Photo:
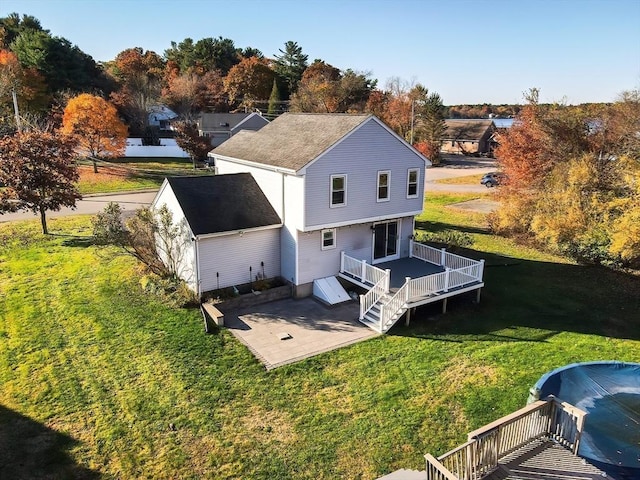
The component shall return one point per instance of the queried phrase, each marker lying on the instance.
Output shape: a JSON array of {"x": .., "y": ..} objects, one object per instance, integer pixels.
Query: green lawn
[
  {"x": 93, "y": 371},
  {"x": 126, "y": 174}
]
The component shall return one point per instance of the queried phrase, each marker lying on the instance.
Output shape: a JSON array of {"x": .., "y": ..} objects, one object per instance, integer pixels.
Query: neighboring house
[
  {"x": 468, "y": 136},
  {"x": 230, "y": 231},
  {"x": 222, "y": 126},
  {"x": 160, "y": 116}
]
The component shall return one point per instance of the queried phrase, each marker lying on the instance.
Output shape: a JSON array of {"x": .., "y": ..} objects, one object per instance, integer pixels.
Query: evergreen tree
[
  {"x": 290, "y": 65},
  {"x": 274, "y": 101}
]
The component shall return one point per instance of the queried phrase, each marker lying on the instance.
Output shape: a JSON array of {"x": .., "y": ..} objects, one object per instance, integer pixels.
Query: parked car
[{"x": 493, "y": 179}]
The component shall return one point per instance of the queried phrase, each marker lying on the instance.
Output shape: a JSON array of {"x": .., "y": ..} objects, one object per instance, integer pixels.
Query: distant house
[
  {"x": 160, "y": 116},
  {"x": 222, "y": 126},
  {"x": 468, "y": 137}
]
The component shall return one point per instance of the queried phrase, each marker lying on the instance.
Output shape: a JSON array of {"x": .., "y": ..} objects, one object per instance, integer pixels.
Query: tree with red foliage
[
  {"x": 188, "y": 138},
  {"x": 38, "y": 172}
]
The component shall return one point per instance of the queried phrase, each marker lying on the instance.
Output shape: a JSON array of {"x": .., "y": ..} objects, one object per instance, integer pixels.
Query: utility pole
[{"x": 15, "y": 108}]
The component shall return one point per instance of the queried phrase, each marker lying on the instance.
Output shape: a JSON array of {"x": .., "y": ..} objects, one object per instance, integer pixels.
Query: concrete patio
[{"x": 287, "y": 331}]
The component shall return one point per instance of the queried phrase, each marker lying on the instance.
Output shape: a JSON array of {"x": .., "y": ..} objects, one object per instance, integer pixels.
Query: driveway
[{"x": 91, "y": 204}]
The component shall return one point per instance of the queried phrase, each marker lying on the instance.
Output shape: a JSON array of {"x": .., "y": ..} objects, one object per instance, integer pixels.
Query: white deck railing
[
  {"x": 486, "y": 446},
  {"x": 439, "y": 256},
  {"x": 362, "y": 271},
  {"x": 397, "y": 303},
  {"x": 367, "y": 274},
  {"x": 459, "y": 271}
]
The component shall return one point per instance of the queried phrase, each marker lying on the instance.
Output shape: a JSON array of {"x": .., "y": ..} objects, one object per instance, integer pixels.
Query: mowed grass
[
  {"x": 128, "y": 174},
  {"x": 465, "y": 180},
  {"x": 99, "y": 377}
]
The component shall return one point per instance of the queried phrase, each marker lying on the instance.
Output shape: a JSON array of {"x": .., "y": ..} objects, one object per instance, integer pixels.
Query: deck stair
[{"x": 381, "y": 307}]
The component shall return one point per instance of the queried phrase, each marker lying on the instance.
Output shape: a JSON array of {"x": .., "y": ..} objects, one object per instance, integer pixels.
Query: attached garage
[{"x": 232, "y": 233}]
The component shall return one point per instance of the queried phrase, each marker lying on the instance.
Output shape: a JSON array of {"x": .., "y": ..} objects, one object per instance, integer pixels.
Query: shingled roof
[
  {"x": 292, "y": 140},
  {"x": 466, "y": 130},
  {"x": 223, "y": 203}
]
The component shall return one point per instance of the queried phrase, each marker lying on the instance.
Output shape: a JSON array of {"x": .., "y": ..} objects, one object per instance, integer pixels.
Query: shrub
[{"x": 450, "y": 238}]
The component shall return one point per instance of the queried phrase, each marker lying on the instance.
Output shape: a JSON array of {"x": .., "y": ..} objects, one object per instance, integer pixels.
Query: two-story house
[
  {"x": 219, "y": 127},
  {"x": 338, "y": 194}
]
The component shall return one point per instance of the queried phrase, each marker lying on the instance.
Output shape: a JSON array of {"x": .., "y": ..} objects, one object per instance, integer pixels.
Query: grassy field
[
  {"x": 99, "y": 379},
  {"x": 125, "y": 174}
]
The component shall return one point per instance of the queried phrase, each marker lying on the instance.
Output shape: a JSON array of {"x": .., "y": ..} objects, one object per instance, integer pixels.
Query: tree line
[
  {"x": 191, "y": 77},
  {"x": 574, "y": 179}
]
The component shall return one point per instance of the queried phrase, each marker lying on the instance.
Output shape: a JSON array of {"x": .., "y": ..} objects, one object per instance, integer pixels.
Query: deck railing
[
  {"x": 486, "y": 446},
  {"x": 373, "y": 296},
  {"x": 361, "y": 270},
  {"x": 394, "y": 305},
  {"x": 439, "y": 256}
]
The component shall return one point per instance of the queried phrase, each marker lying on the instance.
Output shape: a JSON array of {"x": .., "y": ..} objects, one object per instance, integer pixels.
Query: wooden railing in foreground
[{"x": 480, "y": 455}]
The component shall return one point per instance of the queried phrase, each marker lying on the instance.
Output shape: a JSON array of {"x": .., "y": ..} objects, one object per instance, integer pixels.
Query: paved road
[
  {"x": 453, "y": 166},
  {"x": 457, "y": 166},
  {"x": 91, "y": 205}
]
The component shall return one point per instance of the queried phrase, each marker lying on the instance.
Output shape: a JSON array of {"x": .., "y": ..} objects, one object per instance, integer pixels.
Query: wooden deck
[{"x": 543, "y": 460}]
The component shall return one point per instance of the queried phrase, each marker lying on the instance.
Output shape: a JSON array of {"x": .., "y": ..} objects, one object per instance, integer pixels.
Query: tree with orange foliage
[
  {"x": 95, "y": 124},
  {"x": 194, "y": 92},
  {"x": 38, "y": 172},
  {"x": 139, "y": 74},
  {"x": 27, "y": 84},
  {"x": 248, "y": 81}
]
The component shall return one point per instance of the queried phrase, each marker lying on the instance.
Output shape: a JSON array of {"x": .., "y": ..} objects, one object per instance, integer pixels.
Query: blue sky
[{"x": 468, "y": 51}]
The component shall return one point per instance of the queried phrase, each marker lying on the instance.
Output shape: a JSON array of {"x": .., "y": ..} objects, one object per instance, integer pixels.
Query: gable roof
[
  {"x": 472, "y": 130},
  {"x": 221, "y": 121},
  {"x": 292, "y": 140},
  {"x": 223, "y": 203}
]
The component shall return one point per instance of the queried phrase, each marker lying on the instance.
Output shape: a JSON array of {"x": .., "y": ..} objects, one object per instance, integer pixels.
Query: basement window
[{"x": 328, "y": 239}]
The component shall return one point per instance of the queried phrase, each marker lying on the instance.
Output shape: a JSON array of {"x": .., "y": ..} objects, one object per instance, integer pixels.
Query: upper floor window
[
  {"x": 384, "y": 180},
  {"x": 412, "y": 183},
  {"x": 338, "y": 190}
]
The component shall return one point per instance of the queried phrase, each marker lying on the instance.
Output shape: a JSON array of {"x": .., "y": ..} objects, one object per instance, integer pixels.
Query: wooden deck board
[{"x": 544, "y": 460}]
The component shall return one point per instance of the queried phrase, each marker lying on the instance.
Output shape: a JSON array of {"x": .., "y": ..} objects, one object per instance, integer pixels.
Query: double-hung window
[
  {"x": 338, "y": 190},
  {"x": 384, "y": 185},
  {"x": 328, "y": 238},
  {"x": 412, "y": 182}
]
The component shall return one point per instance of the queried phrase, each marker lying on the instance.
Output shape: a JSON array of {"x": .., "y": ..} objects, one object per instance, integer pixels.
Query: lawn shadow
[
  {"x": 31, "y": 450},
  {"x": 525, "y": 300},
  {"x": 429, "y": 226},
  {"x": 81, "y": 241}
]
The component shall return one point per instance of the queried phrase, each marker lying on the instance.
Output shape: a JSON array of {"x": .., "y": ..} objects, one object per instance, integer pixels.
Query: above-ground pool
[{"x": 610, "y": 394}]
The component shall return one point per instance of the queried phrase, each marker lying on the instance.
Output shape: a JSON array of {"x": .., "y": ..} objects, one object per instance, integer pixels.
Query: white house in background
[
  {"x": 326, "y": 195},
  {"x": 219, "y": 127},
  {"x": 160, "y": 116}
]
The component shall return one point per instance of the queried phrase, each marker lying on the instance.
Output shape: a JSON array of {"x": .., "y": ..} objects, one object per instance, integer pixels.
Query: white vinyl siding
[
  {"x": 185, "y": 248},
  {"x": 359, "y": 157},
  {"x": 237, "y": 259},
  {"x": 328, "y": 238},
  {"x": 338, "y": 197},
  {"x": 413, "y": 180},
  {"x": 384, "y": 185},
  {"x": 313, "y": 262}
]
